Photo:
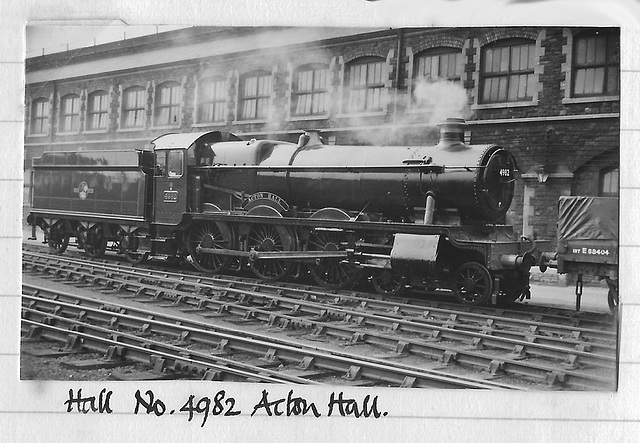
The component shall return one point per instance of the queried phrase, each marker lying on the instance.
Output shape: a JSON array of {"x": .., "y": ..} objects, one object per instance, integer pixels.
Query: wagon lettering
[{"x": 591, "y": 251}]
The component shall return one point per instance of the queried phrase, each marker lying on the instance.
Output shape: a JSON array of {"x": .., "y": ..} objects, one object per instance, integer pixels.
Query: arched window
[
  {"x": 432, "y": 66},
  {"x": 255, "y": 95},
  {"x": 610, "y": 182},
  {"x": 439, "y": 63},
  {"x": 309, "y": 95},
  {"x": 70, "y": 113},
  {"x": 212, "y": 100},
  {"x": 365, "y": 85},
  {"x": 596, "y": 63},
  {"x": 507, "y": 71},
  {"x": 97, "y": 110},
  {"x": 40, "y": 116},
  {"x": 168, "y": 97},
  {"x": 133, "y": 107}
]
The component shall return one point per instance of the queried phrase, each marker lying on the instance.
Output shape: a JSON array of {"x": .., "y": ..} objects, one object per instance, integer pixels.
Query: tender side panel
[
  {"x": 109, "y": 193},
  {"x": 109, "y": 184}
]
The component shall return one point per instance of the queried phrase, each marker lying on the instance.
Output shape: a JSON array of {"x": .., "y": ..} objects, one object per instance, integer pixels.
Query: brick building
[{"x": 550, "y": 94}]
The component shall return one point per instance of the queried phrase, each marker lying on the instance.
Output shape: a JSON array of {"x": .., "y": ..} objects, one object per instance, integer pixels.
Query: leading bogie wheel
[
  {"x": 270, "y": 238},
  {"x": 472, "y": 284},
  {"x": 387, "y": 282},
  {"x": 210, "y": 235}
]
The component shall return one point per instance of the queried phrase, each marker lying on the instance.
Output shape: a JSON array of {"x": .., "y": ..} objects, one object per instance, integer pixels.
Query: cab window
[
  {"x": 174, "y": 163},
  {"x": 161, "y": 164}
]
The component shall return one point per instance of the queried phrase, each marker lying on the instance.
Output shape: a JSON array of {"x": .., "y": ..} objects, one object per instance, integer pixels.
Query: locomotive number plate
[{"x": 170, "y": 196}]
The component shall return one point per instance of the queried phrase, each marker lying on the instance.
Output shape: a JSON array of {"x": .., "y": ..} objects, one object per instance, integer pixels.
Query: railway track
[
  {"x": 100, "y": 326},
  {"x": 494, "y": 343}
]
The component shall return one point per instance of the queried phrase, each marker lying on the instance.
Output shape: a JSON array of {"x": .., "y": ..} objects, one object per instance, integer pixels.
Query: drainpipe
[{"x": 398, "y": 79}]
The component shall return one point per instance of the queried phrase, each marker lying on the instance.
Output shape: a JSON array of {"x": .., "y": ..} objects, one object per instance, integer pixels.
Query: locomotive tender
[{"x": 428, "y": 216}]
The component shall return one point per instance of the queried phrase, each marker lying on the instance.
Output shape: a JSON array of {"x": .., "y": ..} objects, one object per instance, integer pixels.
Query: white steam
[{"x": 441, "y": 99}]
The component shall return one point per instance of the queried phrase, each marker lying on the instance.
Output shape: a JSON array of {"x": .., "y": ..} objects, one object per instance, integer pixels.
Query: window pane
[
  {"x": 598, "y": 81},
  {"x": 588, "y": 81},
  {"x": 488, "y": 60},
  {"x": 513, "y": 88},
  {"x": 486, "y": 90},
  {"x": 591, "y": 50},
  {"x": 504, "y": 59},
  {"x": 319, "y": 103},
  {"x": 515, "y": 58},
  {"x": 502, "y": 88},
  {"x": 262, "y": 108},
  {"x": 612, "y": 80},
  {"x": 581, "y": 51},
  {"x": 175, "y": 164},
  {"x": 579, "y": 81},
  {"x": 600, "y": 50}
]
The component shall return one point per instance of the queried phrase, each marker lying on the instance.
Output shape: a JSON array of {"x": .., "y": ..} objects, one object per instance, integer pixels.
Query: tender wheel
[
  {"x": 331, "y": 273},
  {"x": 210, "y": 235},
  {"x": 57, "y": 239},
  {"x": 472, "y": 284},
  {"x": 387, "y": 282},
  {"x": 96, "y": 243},
  {"x": 270, "y": 238}
]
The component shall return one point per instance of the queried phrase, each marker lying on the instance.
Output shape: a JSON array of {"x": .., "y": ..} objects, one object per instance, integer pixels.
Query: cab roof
[{"x": 186, "y": 140}]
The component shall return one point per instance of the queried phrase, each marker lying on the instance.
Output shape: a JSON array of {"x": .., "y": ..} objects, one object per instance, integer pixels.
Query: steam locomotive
[{"x": 428, "y": 216}]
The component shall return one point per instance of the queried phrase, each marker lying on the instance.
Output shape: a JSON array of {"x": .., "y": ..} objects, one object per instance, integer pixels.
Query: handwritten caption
[{"x": 222, "y": 404}]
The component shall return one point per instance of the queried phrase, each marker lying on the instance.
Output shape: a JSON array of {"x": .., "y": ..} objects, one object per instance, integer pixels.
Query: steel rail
[
  {"x": 520, "y": 345},
  {"x": 130, "y": 347},
  {"x": 511, "y": 363},
  {"x": 253, "y": 343},
  {"x": 494, "y": 320}
]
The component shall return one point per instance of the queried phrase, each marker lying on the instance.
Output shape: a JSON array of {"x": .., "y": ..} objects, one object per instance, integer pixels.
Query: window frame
[
  {"x": 214, "y": 100},
  {"x": 603, "y": 174},
  {"x": 262, "y": 98},
  {"x": 69, "y": 118},
  {"x": 103, "y": 114},
  {"x": 174, "y": 105},
  {"x": 176, "y": 155},
  {"x": 127, "y": 109},
  {"x": 380, "y": 85},
  {"x": 510, "y": 74},
  {"x": 44, "y": 118},
  {"x": 418, "y": 68},
  {"x": 611, "y": 60},
  {"x": 313, "y": 93},
  {"x": 439, "y": 52}
]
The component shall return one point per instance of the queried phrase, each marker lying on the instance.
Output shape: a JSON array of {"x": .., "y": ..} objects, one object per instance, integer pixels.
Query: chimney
[{"x": 452, "y": 134}]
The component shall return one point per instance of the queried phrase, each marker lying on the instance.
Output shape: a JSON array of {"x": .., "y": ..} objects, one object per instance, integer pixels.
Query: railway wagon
[
  {"x": 587, "y": 242},
  {"x": 427, "y": 216}
]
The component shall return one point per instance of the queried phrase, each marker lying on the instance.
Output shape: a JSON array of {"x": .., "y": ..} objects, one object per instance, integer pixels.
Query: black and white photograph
[{"x": 246, "y": 227}]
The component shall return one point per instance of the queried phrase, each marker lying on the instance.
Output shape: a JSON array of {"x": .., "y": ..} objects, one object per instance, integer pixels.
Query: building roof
[{"x": 172, "y": 47}]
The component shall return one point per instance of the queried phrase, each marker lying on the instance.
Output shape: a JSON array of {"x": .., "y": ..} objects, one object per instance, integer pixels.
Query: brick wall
[{"x": 540, "y": 133}]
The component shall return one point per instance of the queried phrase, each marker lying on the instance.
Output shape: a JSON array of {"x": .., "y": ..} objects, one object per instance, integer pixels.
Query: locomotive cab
[{"x": 173, "y": 154}]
